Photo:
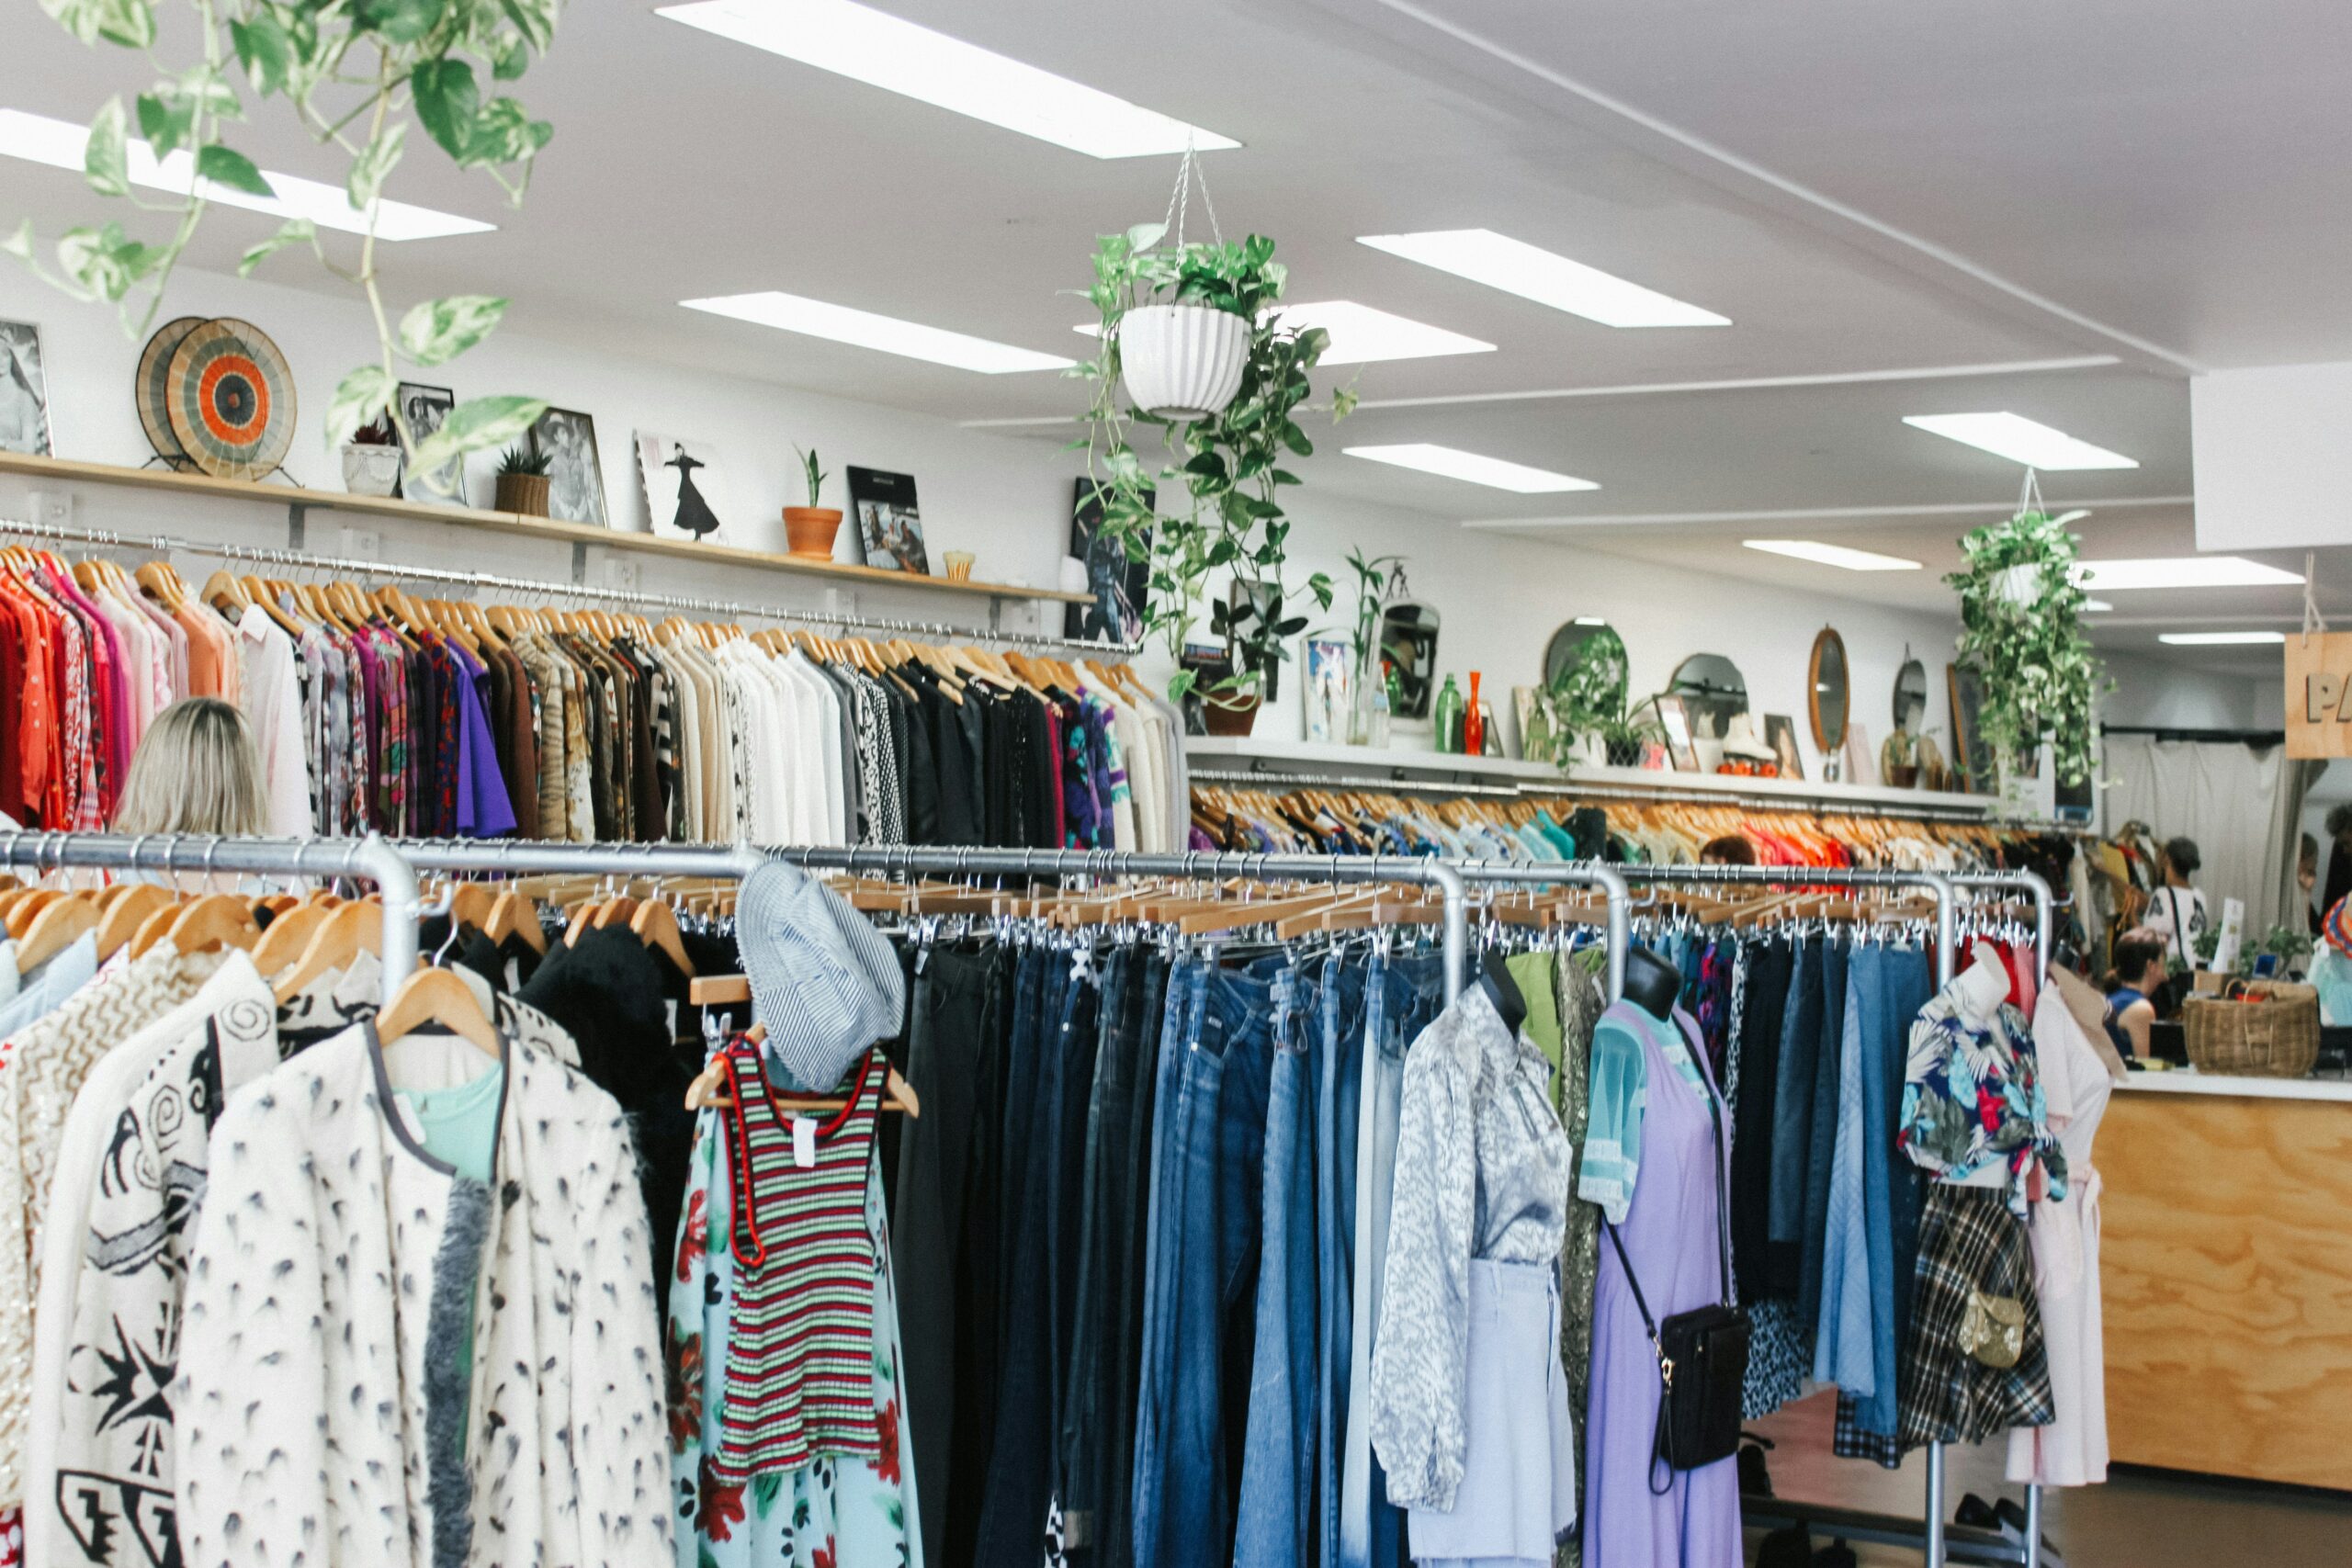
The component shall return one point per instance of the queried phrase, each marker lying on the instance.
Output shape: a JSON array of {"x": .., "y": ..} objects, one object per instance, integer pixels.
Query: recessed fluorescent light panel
[
  {"x": 2182, "y": 571},
  {"x": 2096, "y": 606},
  {"x": 2220, "y": 639},
  {"x": 2021, "y": 440},
  {"x": 896, "y": 55},
  {"x": 793, "y": 313},
  {"x": 60, "y": 145},
  {"x": 1831, "y": 555},
  {"x": 1531, "y": 273},
  {"x": 1454, "y": 464}
]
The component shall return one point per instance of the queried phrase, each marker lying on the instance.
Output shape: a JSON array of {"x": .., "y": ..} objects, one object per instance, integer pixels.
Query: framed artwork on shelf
[
  {"x": 1121, "y": 588},
  {"x": 567, "y": 439},
  {"x": 24, "y": 393},
  {"x": 890, "y": 523},
  {"x": 683, "y": 487},
  {"x": 1330, "y": 668},
  {"x": 1971, "y": 754},
  {"x": 1674, "y": 721},
  {"x": 1780, "y": 735},
  {"x": 426, "y": 407}
]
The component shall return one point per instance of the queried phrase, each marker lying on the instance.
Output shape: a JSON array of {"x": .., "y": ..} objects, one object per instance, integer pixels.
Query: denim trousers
[
  {"x": 1339, "y": 1082},
  {"x": 1401, "y": 996},
  {"x": 1202, "y": 1313},
  {"x": 1275, "y": 1511},
  {"x": 1114, "y": 1535}
]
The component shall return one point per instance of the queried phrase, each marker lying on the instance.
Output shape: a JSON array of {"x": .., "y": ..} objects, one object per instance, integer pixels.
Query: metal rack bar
[
  {"x": 719, "y": 609},
  {"x": 1383, "y": 785},
  {"x": 1587, "y": 874},
  {"x": 370, "y": 858}
]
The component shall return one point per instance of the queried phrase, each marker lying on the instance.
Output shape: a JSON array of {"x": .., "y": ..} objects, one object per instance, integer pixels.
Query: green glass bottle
[{"x": 1445, "y": 718}]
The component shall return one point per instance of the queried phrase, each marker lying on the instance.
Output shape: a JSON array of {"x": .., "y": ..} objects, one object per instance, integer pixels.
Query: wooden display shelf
[{"x": 66, "y": 470}]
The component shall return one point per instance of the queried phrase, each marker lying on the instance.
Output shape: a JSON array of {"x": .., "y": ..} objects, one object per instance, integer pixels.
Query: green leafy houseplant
[
  {"x": 2040, "y": 676},
  {"x": 1229, "y": 461},
  {"x": 1589, "y": 691},
  {"x": 356, "y": 73},
  {"x": 814, "y": 475}
]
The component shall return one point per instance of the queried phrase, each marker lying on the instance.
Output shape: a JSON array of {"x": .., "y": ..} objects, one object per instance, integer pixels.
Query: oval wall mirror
[
  {"x": 1712, "y": 689},
  {"x": 1829, "y": 697},
  {"x": 1408, "y": 646},
  {"x": 1911, "y": 696}
]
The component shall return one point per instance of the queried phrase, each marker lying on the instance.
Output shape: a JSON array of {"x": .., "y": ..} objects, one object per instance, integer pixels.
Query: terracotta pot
[
  {"x": 523, "y": 493},
  {"x": 1231, "y": 715},
  {"x": 810, "y": 530}
]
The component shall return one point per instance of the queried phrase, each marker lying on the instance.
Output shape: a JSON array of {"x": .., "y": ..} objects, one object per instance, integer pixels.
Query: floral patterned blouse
[
  {"x": 1972, "y": 1110},
  {"x": 830, "y": 1513}
]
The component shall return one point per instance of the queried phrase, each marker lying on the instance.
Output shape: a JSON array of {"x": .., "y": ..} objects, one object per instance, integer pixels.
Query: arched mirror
[
  {"x": 1830, "y": 697},
  {"x": 1911, "y": 697},
  {"x": 1712, "y": 689},
  {"x": 1408, "y": 647},
  {"x": 1568, "y": 644}
]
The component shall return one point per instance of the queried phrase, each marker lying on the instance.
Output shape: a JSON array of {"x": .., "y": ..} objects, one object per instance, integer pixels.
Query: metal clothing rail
[
  {"x": 528, "y": 587},
  {"x": 1586, "y": 874},
  {"x": 1445, "y": 878},
  {"x": 370, "y": 858}
]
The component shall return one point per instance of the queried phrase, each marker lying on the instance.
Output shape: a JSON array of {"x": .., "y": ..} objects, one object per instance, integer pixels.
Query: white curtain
[{"x": 2227, "y": 797}]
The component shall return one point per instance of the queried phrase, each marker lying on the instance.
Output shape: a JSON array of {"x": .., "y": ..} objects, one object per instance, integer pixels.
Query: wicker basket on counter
[{"x": 2262, "y": 1029}]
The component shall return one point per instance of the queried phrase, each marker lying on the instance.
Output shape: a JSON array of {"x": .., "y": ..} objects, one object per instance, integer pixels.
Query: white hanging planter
[
  {"x": 2018, "y": 585},
  {"x": 1183, "y": 361}
]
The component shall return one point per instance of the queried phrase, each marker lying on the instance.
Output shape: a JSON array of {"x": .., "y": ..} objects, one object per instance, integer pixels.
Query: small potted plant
[
  {"x": 1898, "y": 759},
  {"x": 810, "y": 529},
  {"x": 372, "y": 459},
  {"x": 523, "y": 482}
]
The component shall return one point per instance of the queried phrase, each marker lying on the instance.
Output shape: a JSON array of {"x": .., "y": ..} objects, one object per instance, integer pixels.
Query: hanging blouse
[{"x": 1972, "y": 1110}]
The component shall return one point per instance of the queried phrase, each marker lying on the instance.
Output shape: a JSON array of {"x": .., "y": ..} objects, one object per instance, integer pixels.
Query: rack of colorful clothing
[
  {"x": 1953, "y": 918},
  {"x": 379, "y": 711}
]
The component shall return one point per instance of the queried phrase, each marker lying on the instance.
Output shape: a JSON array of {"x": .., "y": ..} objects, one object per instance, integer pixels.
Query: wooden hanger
[
  {"x": 56, "y": 927},
  {"x": 658, "y": 925},
  {"x": 514, "y": 915},
  {"x": 214, "y": 920},
  {"x": 437, "y": 996},
  {"x": 21, "y": 910},
  {"x": 289, "y": 934},
  {"x": 128, "y": 907},
  {"x": 347, "y": 933}
]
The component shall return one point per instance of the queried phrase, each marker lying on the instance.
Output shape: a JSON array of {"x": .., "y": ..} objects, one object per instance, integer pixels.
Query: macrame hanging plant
[{"x": 2020, "y": 616}]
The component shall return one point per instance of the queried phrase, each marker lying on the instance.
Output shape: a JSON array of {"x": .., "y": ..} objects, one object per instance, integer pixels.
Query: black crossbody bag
[{"x": 1701, "y": 1355}]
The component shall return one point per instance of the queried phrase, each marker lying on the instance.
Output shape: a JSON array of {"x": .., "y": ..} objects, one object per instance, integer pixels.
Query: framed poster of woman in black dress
[{"x": 683, "y": 488}]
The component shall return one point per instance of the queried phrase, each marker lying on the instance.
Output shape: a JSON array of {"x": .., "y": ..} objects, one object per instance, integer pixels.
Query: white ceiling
[{"x": 1939, "y": 206}]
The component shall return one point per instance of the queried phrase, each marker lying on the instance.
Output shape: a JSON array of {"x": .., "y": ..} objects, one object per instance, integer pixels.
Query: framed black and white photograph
[
  {"x": 426, "y": 407},
  {"x": 684, "y": 489},
  {"x": 889, "y": 523},
  {"x": 575, "y": 476},
  {"x": 1121, "y": 586},
  {"x": 24, "y": 393}
]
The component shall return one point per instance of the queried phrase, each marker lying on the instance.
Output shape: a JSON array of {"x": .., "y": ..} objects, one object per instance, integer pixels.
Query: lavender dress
[{"x": 1669, "y": 1233}]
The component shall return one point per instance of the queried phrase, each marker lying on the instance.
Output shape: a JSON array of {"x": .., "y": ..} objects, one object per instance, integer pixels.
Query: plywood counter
[{"x": 2226, "y": 1264}]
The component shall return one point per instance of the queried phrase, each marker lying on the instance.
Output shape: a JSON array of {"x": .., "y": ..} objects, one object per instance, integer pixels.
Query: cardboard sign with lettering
[{"x": 2318, "y": 695}]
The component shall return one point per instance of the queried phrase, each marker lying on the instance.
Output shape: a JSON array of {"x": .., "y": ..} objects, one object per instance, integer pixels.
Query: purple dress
[{"x": 1671, "y": 1236}]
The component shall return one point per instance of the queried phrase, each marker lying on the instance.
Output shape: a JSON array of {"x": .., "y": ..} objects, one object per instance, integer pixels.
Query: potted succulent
[
  {"x": 372, "y": 459},
  {"x": 810, "y": 530},
  {"x": 2020, "y": 615},
  {"x": 522, "y": 482},
  {"x": 1227, "y": 450}
]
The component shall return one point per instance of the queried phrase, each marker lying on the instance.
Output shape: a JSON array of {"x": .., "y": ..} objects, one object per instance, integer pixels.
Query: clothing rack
[
  {"x": 1936, "y": 1538},
  {"x": 371, "y": 859},
  {"x": 528, "y": 587},
  {"x": 1619, "y": 924}
]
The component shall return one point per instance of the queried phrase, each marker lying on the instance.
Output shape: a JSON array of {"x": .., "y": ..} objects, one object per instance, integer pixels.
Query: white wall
[{"x": 1005, "y": 499}]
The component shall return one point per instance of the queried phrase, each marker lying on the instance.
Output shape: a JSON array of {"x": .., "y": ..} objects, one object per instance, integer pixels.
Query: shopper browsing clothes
[{"x": 2177, "y": 909}]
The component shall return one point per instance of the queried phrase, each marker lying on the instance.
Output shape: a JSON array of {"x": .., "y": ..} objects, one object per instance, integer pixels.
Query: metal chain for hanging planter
[{"x": 1180, "y": 361}]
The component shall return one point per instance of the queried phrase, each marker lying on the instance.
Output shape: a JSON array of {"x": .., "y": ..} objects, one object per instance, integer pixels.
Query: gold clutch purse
[{"x": 1992, "y": 1329}]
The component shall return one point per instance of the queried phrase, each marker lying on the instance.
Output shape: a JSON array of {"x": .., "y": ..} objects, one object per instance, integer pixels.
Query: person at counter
[
  {"x": 2176, "y": 910},
  {"x": 2332, "y": 964},
  {"x": 2131, "y": 994}
]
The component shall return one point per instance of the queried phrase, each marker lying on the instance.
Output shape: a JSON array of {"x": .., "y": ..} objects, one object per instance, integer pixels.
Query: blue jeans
[
  {"x": 1200, "y": 1319},
  {"x": 1401, "y": 996},
  {"x": 1339, "y": 1081},
  {"x": 1274, "y": 1512}
]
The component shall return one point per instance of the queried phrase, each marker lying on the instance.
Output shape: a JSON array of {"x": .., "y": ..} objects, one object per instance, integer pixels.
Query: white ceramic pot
[
  {"x": 371, "y": 471},
  {"x": 1183, "y": 361},
  {"x": 2018, "y": 585}
]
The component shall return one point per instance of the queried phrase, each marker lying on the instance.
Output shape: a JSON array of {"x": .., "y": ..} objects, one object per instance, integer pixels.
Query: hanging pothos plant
[
  {"x": 1229, "y": 460},
  {"x": 2020, "y": 617},
  {"x": 355, "y": 73}
]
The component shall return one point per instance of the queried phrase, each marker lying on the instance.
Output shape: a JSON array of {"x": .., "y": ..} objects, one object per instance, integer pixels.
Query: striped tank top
[{"x": 800, "y": 1339}]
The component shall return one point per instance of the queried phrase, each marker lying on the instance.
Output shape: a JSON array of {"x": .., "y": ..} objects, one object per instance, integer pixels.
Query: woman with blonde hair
[{"x": 197, "y": 771}]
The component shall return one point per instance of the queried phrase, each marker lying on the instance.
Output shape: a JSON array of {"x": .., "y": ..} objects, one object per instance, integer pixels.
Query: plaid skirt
[{"x": 1969, "y": 1241}]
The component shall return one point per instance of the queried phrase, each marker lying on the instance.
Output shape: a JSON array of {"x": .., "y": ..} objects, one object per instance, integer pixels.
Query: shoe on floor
[
  {"x": 1789, "y": 1548},
  {"x": 1977, "y": 1513}
]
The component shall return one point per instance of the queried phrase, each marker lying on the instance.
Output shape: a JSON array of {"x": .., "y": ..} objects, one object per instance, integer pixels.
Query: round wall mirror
[
  {"x": 1830, "y": 699},
  {"x": 1712, "y": 689},
  {"x": 1567, "y": 644},
  {"x": 1408, "y": 647},
  {"x": 1911, "y": 697}
]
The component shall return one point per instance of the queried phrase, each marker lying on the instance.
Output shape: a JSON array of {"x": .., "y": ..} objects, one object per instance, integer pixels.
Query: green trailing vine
[
  {"x": 2040, "y": 677},
  {"x": 357, "y": 74},
  {"x": 1228, "y": 462}
]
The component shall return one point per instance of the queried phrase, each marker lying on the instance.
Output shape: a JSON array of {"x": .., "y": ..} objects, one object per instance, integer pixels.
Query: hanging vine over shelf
[{"x": 1227, "y": 457}]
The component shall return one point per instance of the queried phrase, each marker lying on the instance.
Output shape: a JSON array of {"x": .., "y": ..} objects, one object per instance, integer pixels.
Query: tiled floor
[{"x": 2139, "y": 1519}]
